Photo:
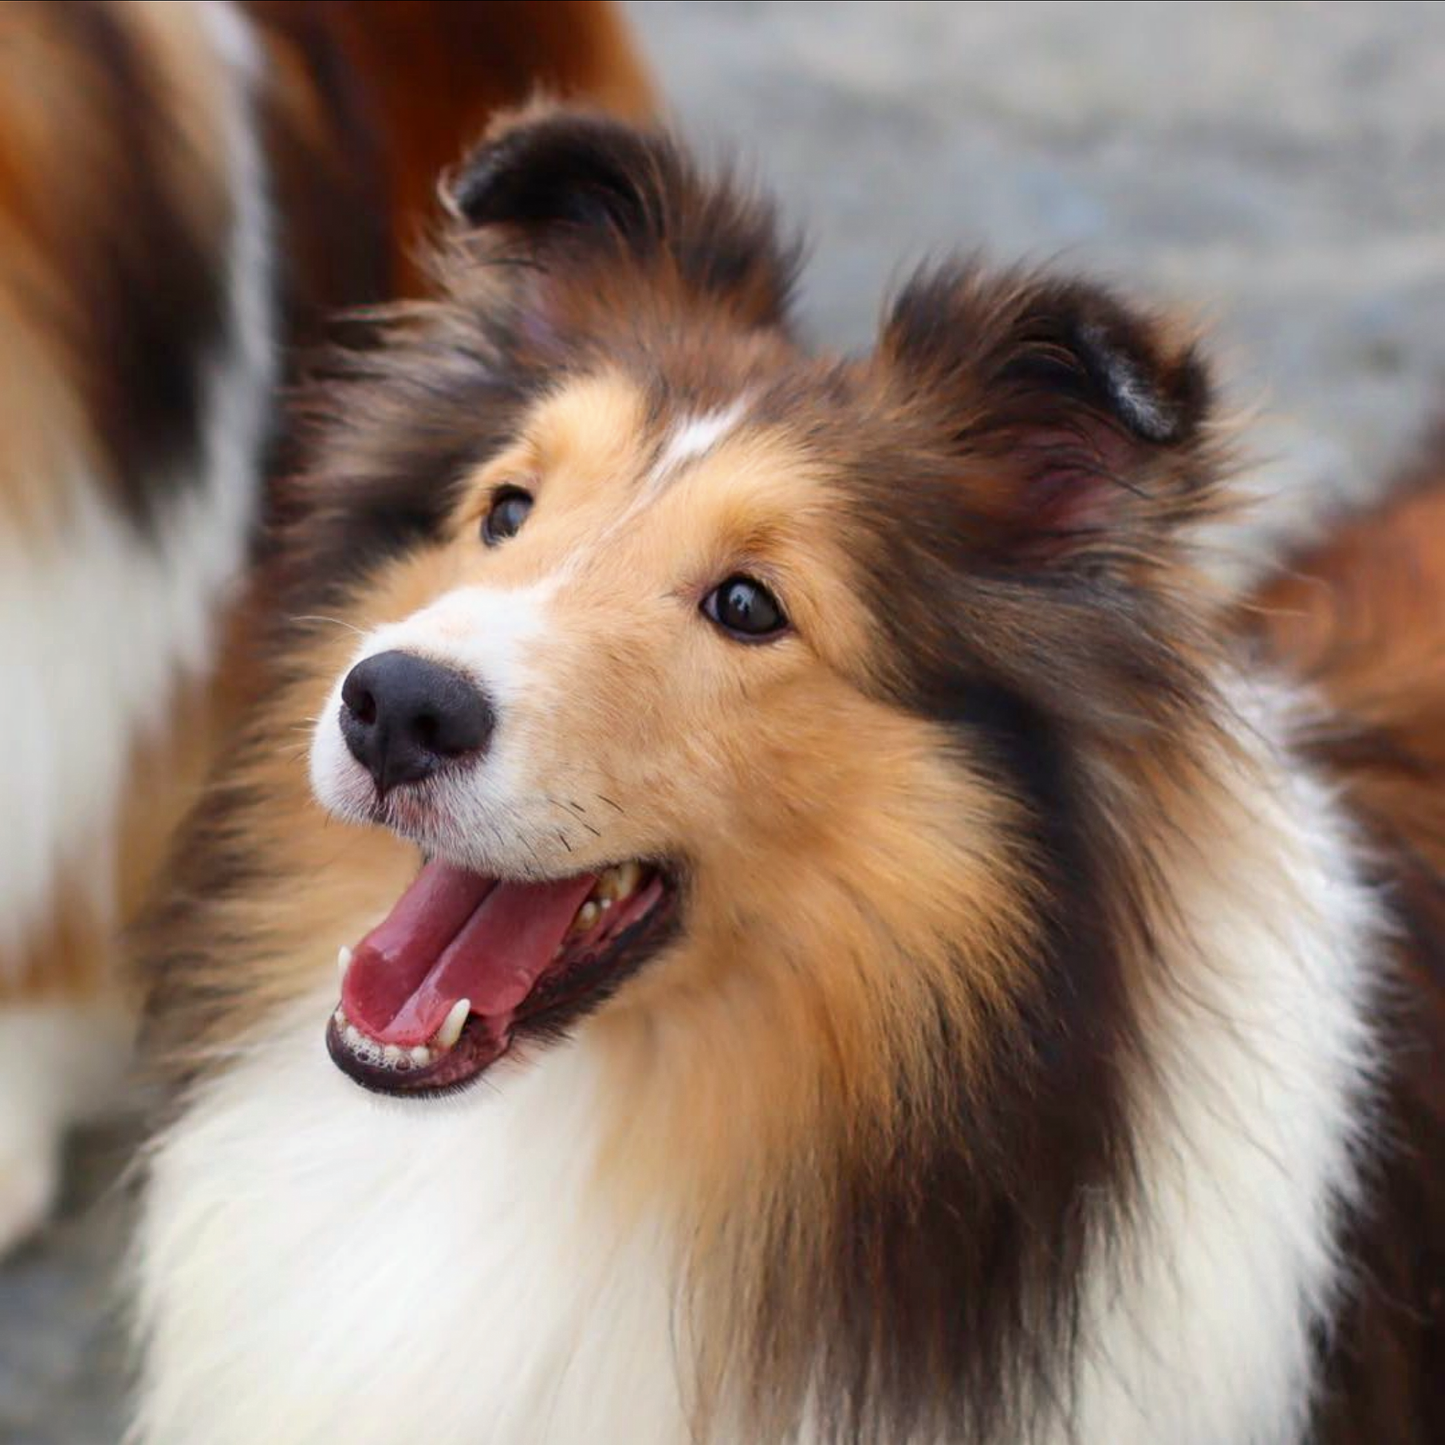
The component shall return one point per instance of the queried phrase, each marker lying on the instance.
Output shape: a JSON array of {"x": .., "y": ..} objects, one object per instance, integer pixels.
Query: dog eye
[
  {"x": 745, "y": 609},
  {"x": 508, "y": 511}
]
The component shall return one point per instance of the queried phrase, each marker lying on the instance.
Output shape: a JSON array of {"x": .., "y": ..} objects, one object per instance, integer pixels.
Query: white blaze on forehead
[{"x": 694, "y": 437}]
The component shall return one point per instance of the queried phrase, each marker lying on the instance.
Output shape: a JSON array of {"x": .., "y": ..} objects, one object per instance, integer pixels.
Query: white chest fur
[{"x": 317, "y": 1264}]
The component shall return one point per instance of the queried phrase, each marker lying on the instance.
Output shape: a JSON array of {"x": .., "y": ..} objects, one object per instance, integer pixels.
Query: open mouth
[{"x": 436, "y": 992}]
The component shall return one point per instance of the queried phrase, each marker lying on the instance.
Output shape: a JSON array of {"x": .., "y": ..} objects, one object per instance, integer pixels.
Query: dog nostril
[
  {"x": 363, "y": 708},
  {"x": 426, "y": 729}
]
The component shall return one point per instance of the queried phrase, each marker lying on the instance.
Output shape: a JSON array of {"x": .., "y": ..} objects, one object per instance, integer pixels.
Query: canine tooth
[
  {"x": 451, "y": 1029},
  {"x": 586, "y": 917},
  {"x": 343, "y": 960},
  {"x": 392, "y": 1053},
  {"x": 421, "y": 1055},
  {"x": 629, "y": 875}
]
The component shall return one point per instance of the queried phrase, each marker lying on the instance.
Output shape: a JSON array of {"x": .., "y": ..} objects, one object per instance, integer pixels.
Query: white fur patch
[
  {"x": 692, "y": 438},
  {"x": 98, "y": 624},
  {"x": 316, "y": 1262}
]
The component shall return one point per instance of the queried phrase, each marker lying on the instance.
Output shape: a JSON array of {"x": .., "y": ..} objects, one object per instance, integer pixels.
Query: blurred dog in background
[{"x": 186, "y": 191}]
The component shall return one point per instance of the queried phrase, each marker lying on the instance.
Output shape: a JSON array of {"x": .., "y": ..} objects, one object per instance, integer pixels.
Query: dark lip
[{"x": 557, "y": 1002}]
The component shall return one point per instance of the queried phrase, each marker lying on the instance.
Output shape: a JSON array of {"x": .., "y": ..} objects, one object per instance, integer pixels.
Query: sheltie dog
[
  {"x": 844, "y": 932},
  {"x": 185, "y": 190}
]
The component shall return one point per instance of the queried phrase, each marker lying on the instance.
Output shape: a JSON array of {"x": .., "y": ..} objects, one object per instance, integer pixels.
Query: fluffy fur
[
  {"x": 185, "y": 189},
  {"x": 1019, "y": 1066},
  {"x": 127, "y": 492}
]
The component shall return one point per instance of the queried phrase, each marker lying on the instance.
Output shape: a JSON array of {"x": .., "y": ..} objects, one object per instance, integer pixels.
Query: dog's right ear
[{"x": 576, "y": 194}]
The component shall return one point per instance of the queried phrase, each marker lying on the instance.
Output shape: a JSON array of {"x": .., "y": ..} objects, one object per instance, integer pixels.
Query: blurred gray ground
[{"x": 1276, "y": 169}]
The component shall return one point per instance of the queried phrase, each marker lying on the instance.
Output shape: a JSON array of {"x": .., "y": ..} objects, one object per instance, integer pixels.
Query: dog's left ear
[
  {"x": 581, "y": 198},
  {"x": 1077, "y": 425}
]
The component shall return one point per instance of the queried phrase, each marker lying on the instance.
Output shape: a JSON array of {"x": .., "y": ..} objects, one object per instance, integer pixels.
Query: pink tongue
[{"x": 455, "y": 935}]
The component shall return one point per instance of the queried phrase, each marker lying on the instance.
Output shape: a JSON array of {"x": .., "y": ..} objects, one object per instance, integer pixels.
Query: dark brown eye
[
  {"x": 509, "y": 510},
  {"x": 745, "y": 609}
]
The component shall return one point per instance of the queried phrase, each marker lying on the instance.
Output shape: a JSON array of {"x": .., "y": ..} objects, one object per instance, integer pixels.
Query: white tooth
[
  {"x": 353, "y": 1036},
  {"x": 629, "y": 875},
  {"x": 421, "y": 1055},
  {"x": 604, "y": 904},
  {"x": 343, "y": 960},
  {"x": 392, "y": 1054},
  {"x": 451, "y": 1029},
  {"x": 586, "y": 917}
]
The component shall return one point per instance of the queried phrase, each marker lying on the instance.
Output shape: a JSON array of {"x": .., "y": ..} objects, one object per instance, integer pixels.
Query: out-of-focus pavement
[{"x": 1278, "y": 170}]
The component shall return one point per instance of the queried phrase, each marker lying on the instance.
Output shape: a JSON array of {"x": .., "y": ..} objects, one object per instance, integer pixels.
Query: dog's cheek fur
[{"x": 822, "y": 982}]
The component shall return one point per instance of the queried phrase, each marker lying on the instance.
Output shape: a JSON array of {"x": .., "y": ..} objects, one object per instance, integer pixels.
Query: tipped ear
[
  {"x": 563, "y": 172},
  {"x": 580, "y": 193},
  {"x": 1078, "y": 423}
]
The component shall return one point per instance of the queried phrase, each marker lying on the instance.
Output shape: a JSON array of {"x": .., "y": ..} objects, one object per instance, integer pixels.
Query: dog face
[
  {"x": 659, "y": 610},
  {"x": 648, "y": 594}
]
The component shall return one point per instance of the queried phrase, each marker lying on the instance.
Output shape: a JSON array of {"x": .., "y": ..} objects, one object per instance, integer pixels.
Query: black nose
[{"x": 403, "y": 717}]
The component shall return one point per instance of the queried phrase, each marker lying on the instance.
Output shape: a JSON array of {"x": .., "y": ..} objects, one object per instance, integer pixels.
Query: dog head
[{"x": 681, "y": 647}]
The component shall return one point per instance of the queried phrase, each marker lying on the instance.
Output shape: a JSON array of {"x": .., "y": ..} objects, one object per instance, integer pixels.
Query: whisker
[
  {"x": 332, "y": 621},
  {"x": 576, "y": 808}
]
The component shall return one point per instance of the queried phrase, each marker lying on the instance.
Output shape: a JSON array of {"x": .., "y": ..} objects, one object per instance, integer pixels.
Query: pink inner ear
[
  {"x": 536, "y": 325},
  {"x": 1073, "y": 483}
]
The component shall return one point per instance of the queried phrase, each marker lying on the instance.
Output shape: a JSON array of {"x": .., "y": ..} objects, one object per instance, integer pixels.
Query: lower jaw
[{"x": 479, "y": 1046}]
